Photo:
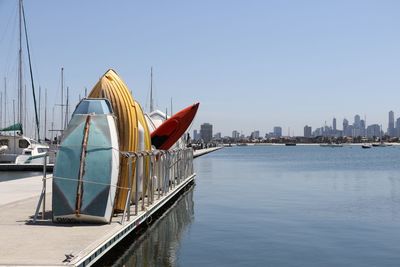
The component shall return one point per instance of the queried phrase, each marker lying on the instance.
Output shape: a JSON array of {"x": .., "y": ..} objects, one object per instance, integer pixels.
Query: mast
[
  {"x": 1, "y": 110},
  {"x": 151, "y": 91},
  {"x": 171, "y": 107},
  {"x": 30, "y": 72},
  {"x": 40, "y": 98},
  {"x": 20, "y": 97},
  {"x": 66, "y": 109},
  {"x": 62, "y": 98},
  {"x": 5, "y": 101},
  {"x": 45, "y": 114}
]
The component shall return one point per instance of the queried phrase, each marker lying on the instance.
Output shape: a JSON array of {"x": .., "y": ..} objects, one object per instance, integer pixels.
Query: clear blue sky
[{"x": 251, "y": 64}]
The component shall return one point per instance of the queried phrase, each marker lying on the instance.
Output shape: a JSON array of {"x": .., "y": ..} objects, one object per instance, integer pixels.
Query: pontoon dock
[{"x": 46, "y": 243}]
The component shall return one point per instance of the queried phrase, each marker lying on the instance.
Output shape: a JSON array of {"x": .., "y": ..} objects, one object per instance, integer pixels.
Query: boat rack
[{"x": 167, "y": 170}]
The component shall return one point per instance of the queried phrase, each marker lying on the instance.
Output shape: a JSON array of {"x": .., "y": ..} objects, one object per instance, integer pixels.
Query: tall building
[
  {"x": 357, "y": 121},
  {"x": 255, "y": 135},
  {"x": 391, "y": 124},
  {"x": 278, "y": 131},
  {"x": 206, "y": 132},
  {"x": 334, "y": 124},
  {"x": 373, "y": 131},
  {"x": 195, "y": 135},
  {"x": 307, "y": 131},
  {"x": 398, "y": 127},
  {"x": 345, "y": 127},
  {"x": 235, "y": 135}
]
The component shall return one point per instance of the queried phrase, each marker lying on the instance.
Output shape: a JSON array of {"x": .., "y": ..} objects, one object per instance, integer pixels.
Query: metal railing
[
  {"x": 155, "y": 173},
  {"x": 161, "y": 171}
]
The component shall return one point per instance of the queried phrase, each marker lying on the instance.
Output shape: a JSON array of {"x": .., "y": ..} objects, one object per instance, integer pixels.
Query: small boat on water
[
  {"x": 87, "y": 165},
  {"x": 366, "y": 146},
  {"x": 381, "y": 144},
  {"x": 290, "y": 144}
]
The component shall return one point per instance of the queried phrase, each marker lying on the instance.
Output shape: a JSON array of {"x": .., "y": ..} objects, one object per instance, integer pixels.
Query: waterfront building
[
  {"x": 277, "y": 131},
  {"x": 345, "y": 126},
  {"x": 334, "y": 124},
  {"x": 206, "y": 132},
  {"x": 218, "y": 135},
  {"x": 235, "y": 135},
  {"x": 398, "y": 127},
  {"x": 195, "y": 135},
  {"x": 307, "y": 131},
  {"x": 255, "y": 135},
  {"x": 357, "y": 121},
  {"x": 373, "y": 131},
  {"x": 390, "y": 130}
]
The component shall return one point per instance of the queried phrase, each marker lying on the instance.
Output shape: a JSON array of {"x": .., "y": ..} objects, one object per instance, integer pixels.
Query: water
[{"x": 282, "y": 206}]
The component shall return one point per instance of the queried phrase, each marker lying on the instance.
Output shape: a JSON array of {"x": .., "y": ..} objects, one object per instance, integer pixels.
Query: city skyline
[{"x": 337, "y": 125}]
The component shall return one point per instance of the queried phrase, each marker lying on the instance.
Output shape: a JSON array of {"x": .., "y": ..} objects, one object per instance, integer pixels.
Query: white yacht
[{"x": 19, "y": 149}]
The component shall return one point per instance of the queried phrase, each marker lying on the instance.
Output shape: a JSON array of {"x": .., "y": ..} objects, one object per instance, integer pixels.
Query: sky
[{"x": 252, "y": 65}]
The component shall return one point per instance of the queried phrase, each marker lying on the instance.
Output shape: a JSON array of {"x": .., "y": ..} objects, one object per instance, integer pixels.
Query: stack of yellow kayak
[{"x": 131, "y": 125}]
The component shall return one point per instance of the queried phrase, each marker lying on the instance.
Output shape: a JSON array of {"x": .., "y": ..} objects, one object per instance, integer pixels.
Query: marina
[{"x": 25, "y": 242}]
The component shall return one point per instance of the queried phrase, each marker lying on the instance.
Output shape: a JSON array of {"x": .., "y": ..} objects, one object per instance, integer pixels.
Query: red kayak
[{"x": 165, "y": 136}]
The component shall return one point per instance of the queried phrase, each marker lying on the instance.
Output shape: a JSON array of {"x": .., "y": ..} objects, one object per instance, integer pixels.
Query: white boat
[
  {"x": 20, "y": 149},
  {"x": 366, "y": 145}
]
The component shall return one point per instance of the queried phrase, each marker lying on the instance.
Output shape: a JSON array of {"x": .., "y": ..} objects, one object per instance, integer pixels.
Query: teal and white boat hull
[{"x": 86, "y": 170}]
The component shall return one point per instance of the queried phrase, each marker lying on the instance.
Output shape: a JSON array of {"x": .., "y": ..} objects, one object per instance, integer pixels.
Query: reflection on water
[
  {"x": 159, "y": 244},
  {"x": 282, "y": 206}
]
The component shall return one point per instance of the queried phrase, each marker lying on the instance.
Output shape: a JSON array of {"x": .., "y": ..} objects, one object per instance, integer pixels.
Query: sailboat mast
[
  {"x": 62, "y": 98},
  {"x": 5, "y": 101},
  {"x": 151, "y": 91},
  {"x": 20, "y": 97},
  {"x": 45, "y": 113},
  {"x": 66, "y": 109},
  {"x": 1, "y": 110},
  {"x": 40, "y": 101}
]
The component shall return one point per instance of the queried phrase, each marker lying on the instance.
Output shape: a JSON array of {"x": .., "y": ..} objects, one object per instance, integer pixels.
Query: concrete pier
[{"x": 45, "y": 243}]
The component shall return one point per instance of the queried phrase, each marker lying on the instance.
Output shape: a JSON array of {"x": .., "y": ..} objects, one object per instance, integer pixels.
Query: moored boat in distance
[
  {"x": 19, "y": 149},
  {"x": 290, "y": 144},
  {"x": 366, "y": 146}
]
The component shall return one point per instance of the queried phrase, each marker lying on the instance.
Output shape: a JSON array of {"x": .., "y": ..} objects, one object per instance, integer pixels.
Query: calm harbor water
[{"x": 282, "y": 206}]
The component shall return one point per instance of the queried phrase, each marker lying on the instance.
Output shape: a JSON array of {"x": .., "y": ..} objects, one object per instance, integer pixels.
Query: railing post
[
  {"x": 145, "y": 177},
  {"x": 137, "y": 182},
  {"x": 44, "y": 184},
  {"x": 127, "y": 209}
]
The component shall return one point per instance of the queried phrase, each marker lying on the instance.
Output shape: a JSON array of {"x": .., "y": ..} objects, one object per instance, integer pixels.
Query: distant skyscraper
[
  {"x": 255, "y": 135},
  {"x": 391, "y": 124},
  {"x": 398, "y": 127},
  {"x": 307, "y": 131},
  {"x": 195, "y": 135},
  {"x": 357, "y": 121},
  {"x": 373, "y": 131},
  {"x": 345, "y": 126},
  {"x": 277, "y": 131},
  {"x": 235, "y": 135},
  {"x": 218, "y": 135},
  {"x": 334, "y": 124},
  {"x": 206, "y": 132}
]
